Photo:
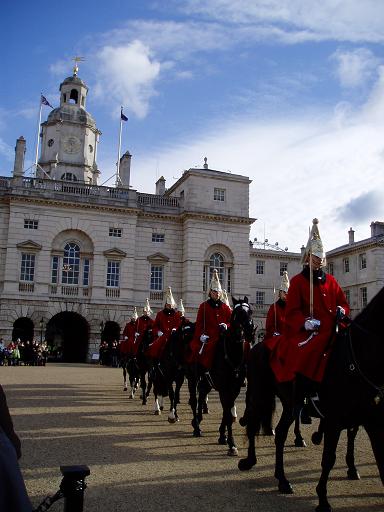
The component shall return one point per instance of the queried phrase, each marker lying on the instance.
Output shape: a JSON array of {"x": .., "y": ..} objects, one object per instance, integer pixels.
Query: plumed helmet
[
  {"x": 134, "y": 315},
  {"x": 215, "y": 285},
  {"x": 181, "y": 308},
  {"x": 314, "y": 244},
  {"x": 147, "y": 308},
  {"x": 224, "y": 298},
  {"x": 284, "y": 285},
  {"x": 169, "y": 298}
]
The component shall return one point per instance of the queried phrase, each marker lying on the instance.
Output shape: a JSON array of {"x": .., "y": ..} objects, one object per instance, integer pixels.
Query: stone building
[
  {"x": 359, "y": 267},
  {"x": 76, "y": 257}
]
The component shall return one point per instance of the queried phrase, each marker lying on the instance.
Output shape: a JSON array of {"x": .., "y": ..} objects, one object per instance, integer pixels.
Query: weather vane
[{"x": 77, "y": 59}]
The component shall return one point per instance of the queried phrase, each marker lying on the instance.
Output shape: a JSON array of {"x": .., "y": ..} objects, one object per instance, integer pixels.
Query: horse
[
  {"x": 227, "y": 374},
  {"x": 137, "y": 367},
  {"x": 351, "y": 395},
  {"x": 169, "y": 370}
]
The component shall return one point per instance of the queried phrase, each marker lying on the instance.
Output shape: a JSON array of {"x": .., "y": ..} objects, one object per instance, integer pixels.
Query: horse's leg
[
  {"x": 192, "y": 388},
  {"x": 299, "y": 440},
  {"x": 281, "y": 433},
  {"x": 376, "y": 436},
  {"x": 172, "y": 416},
  {"x": 125, "y": 376},
  {"x": 227, "y": 399},
  {"x": 352, "y": 472},
  {"x": 331, "y": 439},
  {"x": 143, "y": 384}
]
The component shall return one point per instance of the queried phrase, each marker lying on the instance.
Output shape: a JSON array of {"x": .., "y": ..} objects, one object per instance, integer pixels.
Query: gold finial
[{"x": 77, "y": 59}]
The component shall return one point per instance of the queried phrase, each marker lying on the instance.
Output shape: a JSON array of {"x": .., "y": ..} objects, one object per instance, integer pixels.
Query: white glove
[
  {"x": 125, "y": 337},
  {"x": 204, "y": 338},
  {"x": 174, "y": 329},
  {"x": 137, "y": 334},
  {"x": 160, "y": 333},
  {"x": 342, "y": 310},
  {"x": 311, "y": 324},
  {"x": 223, "y": 326}
]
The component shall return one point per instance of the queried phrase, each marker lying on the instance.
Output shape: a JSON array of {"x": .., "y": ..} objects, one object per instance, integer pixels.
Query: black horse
[
  {"x": 137, "y": 366},
  {"x": 168, "y": 373},
  {"x": 226, "y": 375},
  {"x": 351, "y": 394}
]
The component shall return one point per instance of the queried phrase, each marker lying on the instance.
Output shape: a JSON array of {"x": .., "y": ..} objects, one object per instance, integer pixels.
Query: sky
[{"x": 287, "y": 92}]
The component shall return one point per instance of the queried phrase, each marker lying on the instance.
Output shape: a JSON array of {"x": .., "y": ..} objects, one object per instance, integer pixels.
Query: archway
[
  {"x": 67, "y": 336},
  {"x": 110, "y": 332},
  {"x": 23, "y": 328}
]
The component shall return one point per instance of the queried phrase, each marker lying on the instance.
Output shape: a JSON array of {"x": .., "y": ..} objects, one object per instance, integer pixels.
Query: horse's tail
[{"x": 260, "y": 397}]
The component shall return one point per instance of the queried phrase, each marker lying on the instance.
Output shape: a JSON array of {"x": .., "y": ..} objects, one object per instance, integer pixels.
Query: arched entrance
[
  {"x": 67, "y": 335},
  {"x": 23, "y": 329},
  {"x": 110, "y": 331}
]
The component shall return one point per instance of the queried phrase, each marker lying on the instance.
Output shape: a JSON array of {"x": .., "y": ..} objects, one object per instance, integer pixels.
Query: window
[
  {"x": 27, "y": 272},
  {"x": 55, "y": 269},
  {"x": 347, "y": 294},
  {"x": 158, "y": 237},
  {"x": 229, "y": 280},
  {"x": 68, "y": 176},
  {"x": 346, "y": 265},
  {"x": 260, "y": 298},
  {"x": 363, "y": 297},
  {"x": 156, "y": 278},
  {"x": 362, "y": 261},
  {"x": 331, "y": 268},
  {"x": 115, "y": 232},
  {"x": 71, "y": 264},
  {"x": 113, "y": 274},
  {"x": 216, "y": 261},
  {"x": 219, "y": 194},
  {"x": 31, "y": 224},
  {"x": 86, "y": 267},
  {"x": 260, "y": 267},
  {"x": 283, "y": 268}
]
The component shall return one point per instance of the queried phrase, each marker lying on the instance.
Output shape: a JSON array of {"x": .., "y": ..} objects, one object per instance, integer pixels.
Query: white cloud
[
  {"x": 126, "y": 75},
  {"x": 6, "y": 150},
  {"x": 59, "y": 68},
  {"x": 355, "y": 67}
]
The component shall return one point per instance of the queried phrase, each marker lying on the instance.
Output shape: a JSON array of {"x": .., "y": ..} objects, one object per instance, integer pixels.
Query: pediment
[
  {"x": 158, "y": 256},
  {"x": 114, "y": 253},
  {"x": 29, "y": 245}
]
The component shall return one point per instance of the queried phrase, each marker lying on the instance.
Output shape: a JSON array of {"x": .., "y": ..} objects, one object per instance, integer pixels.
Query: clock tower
[{"x": 69, "y": 137}]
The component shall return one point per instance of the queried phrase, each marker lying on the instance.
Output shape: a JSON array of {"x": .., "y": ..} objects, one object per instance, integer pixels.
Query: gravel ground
[{"x": 78, "y": 414}]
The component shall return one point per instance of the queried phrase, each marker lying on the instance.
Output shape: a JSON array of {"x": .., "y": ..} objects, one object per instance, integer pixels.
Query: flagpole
[
  {"x": 38, "y": 136},
  {"x": 119, "y": 151}
]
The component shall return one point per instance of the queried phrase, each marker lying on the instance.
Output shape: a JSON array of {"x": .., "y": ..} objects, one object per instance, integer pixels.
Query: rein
[{"x": 354, "y": 365}]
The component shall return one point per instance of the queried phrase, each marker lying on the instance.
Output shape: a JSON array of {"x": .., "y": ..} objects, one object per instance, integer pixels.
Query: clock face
[{"x": 71, "y": 144}]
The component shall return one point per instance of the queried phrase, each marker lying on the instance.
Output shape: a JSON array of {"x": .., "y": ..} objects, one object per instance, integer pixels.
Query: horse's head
[{"x": 241, "y": 319}]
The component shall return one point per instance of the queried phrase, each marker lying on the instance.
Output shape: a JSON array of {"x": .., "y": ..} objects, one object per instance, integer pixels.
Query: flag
[
  {"x": 123, "y": 117},
  {"x": 44, "y": 101}
]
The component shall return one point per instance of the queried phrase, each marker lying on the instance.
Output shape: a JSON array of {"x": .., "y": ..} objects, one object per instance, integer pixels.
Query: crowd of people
[{"x": 28, "y": 353}]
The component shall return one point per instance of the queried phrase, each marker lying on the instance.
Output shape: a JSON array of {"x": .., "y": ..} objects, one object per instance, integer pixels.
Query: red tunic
[
  {"x": 143, "y": 323},
  {"x": 299, "y": 352},
  {"x": 127, "y": 345},
  {"x": 274, "y": 325},
  {"x": 209, "y": 316},
  {"x": 165, "y": 322}
]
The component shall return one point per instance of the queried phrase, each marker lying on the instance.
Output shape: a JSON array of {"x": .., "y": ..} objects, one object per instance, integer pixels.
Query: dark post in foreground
[{"x": 73, "y": 487}]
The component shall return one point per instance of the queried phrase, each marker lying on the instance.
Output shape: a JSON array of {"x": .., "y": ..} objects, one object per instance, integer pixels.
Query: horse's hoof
[
  {"x": 316, "y": 438},
  {"x": 222, "y": 440},
  {"x": 233, "y": 452},
  {"x": 172, "y": 420},
  {"x": 324, "y": 508},
  {"x": 285, "y": 488},
  {"x": 157, "y": 413},
  {"x": 353, "y": 474},
  {"x": 246, "y": 464},
  {"x": 161, "y": 408},
  {"x": 125, "y": 388},
  {"x": 300, "y": 443},
  {"x": 197, "y": 433}
]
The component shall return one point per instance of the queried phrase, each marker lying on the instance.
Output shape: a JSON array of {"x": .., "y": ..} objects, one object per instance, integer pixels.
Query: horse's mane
[{"x": 372, "y": 310}]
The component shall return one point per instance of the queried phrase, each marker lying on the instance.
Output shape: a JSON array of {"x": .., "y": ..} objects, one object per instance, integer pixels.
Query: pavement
[{"x": 78, "y": 414}]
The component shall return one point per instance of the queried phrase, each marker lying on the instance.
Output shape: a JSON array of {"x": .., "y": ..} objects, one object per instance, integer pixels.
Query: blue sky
[{"x": 287, "y": 92}]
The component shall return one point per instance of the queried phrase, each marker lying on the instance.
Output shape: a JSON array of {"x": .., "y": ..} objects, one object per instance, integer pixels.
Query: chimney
[
  {"x": 18, "y": 168},
  {"x": 160, "y": 186},
  {"x": 377, "y": 228},
  {"x": 351, "y": 235},
  {"x": 125, "y": 170},
  {"x": 302, "y": 250}
]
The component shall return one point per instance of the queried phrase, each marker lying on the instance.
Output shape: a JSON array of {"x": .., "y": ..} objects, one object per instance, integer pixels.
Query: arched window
[
  {"x": 71, "y": 264},
  {"x": 216, "y": 261},
  {"x": 68, "y": 176},
  {"x": 74, "y": 96},
  {"x": 223, "y": 265}
]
